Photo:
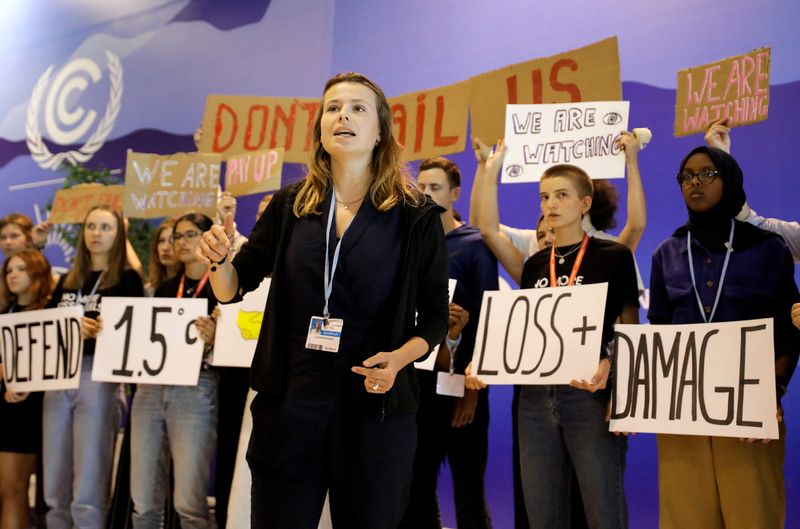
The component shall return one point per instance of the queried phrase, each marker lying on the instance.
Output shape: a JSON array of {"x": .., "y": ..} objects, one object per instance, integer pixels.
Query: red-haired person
[
  {"x": 80, "y": 425},
  {"x": 26, "y": 278}
]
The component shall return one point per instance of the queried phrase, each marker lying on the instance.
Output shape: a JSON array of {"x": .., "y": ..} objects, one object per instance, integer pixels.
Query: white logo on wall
[{"x": 57, "y": 113}]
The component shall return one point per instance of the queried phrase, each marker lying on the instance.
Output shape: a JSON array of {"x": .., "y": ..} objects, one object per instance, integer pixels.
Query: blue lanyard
[
  {"x": 328, "y": 272},
  {"x": 721, "y": 278}
]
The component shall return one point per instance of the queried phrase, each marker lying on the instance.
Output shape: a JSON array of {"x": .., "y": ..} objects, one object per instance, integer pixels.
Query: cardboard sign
[
  {"x": 167, "y": 348},
  {"x": 736, "y": 88},
  {"x": 234, "y": 125},
  {"x": 238, "y": 327},
  {"x": 42, "y": 350},
  {"x": 704, "y": 379},
  {"x": 540, "y": 335},
  {"x": 582, "y": 134},
  {"x": 70, "y": 206},
  {"x": 590, "y": 73},
  {"x": 164, "y": 186},
  {"x": 429, "y": 363},
  {"x": 431, "y": 122},
  {"x": 252, "y": 173}
]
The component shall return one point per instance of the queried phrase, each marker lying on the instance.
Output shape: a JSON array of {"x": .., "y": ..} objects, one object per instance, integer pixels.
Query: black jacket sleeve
[
  {"x": 256, "y": 259},
  {"x": 432, "y": 273}
]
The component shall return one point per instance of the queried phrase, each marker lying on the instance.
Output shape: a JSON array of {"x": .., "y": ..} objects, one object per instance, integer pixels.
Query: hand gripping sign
[{"x": 150, "y": 341}]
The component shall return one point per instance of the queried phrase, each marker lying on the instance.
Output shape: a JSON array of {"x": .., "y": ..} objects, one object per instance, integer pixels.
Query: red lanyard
[
  {"x": 575, "y": 267},
  {"x": 197, "y": 290}
]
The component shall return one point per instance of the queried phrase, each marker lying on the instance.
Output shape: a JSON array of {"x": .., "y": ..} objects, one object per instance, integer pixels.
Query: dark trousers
[
  {"x": 301, "y": 449},
  {"x": 232, "y": 391},
  {"x": 466, "y": 449}
]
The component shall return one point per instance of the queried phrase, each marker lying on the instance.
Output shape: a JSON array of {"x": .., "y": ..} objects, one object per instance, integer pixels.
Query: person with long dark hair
[
  {"x": 177, "y": 422},
  {"x": 354, "y": 250}
]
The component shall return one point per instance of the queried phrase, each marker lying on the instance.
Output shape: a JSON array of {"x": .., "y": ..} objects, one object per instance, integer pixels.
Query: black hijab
[{"x": 712, "y": 227}]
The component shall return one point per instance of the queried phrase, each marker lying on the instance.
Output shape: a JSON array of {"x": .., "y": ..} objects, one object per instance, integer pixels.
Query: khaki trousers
[{"x": 721, "y": 483}]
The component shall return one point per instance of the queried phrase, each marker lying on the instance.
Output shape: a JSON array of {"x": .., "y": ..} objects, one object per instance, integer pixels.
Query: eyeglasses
[
  {"x": 705, "y": 176},
  {"x": 189, "y": 236}
]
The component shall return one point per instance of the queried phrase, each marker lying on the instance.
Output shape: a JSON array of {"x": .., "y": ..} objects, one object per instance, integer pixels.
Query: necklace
[
  {"x": 562, "y": 256},
  {"x": 346, "y": 205}
]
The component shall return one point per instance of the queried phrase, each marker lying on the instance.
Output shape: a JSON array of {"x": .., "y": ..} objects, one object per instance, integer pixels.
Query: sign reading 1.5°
[{"x": 150, "y": 341}]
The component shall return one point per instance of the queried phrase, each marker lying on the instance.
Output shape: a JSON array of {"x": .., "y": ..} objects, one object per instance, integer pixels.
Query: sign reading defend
[{"x": 42, "y": 350}]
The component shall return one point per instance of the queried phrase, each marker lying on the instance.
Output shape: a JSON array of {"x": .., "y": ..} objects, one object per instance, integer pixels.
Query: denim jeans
[
  {"x": 561, "y": 427},
  {"x": 178, "y": 422},
  {"x": 79, "y": 428}
]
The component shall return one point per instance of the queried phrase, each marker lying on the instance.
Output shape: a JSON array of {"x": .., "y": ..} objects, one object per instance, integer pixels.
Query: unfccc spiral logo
[{"x": 72, "y": 78}]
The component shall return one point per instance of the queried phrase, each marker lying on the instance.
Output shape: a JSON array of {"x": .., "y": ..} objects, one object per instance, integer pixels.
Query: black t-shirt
[
  {"x": 604, "y": 262},
  {"x": 129, "y": 285}
]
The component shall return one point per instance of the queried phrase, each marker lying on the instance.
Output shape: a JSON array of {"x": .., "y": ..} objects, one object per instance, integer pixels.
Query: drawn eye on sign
[
  {"x": 514, "y": 170},
  {"x": 612, "y": 118}
]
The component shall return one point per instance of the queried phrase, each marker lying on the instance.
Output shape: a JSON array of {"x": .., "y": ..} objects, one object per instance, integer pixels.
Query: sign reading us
[{"x": 53, "y": 102}]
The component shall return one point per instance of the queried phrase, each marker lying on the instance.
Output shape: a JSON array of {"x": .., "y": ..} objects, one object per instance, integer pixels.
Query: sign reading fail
[
  {"x": 704, "y": 379},
  {"x": 736, "y": 89},
  {"x": 166, "y": 185},
  {"x": 584, "y": 134},
  {"x": 252, "y": 173},
  {"x": 70, "y": 206},
  {"x": 167, "y": 348},
  {"x": 540, "y": 336},
  {"x": 431, "y": 122},
  {"x": 42, "y": 350}
]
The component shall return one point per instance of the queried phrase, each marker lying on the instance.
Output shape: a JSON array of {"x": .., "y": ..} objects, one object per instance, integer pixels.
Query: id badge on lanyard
[
  {"x": 324, "y": 332},
  {"x": 450, "y": 384}
]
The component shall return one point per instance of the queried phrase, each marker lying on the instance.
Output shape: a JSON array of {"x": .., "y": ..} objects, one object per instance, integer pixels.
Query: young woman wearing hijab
[
  {"x": 26, "y": 277},
  {"x": 80, "y": 425},
  {"x": 355, "y": 247},
  {"x": 714, "y": 269}
]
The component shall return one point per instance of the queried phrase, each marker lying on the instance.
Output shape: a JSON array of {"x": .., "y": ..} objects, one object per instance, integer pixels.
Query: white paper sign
[
  {"x": 540, "y": 336},
  {"x": 150, "y": 341},
  {"x": 238, "y": 327},
  {"x": 430, "y": 362},
  {"x": 704, "y": 379},
  {"x": 42, "y": 350},
  {"x": 541, "y": 136}
]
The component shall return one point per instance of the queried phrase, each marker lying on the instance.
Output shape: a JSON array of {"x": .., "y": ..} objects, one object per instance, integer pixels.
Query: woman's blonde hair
[{"x": 391, "y": 183}]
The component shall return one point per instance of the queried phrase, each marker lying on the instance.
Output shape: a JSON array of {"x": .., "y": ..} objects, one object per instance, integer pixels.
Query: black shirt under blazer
[{"x": 422, "y": 289}]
